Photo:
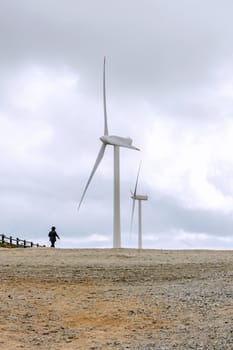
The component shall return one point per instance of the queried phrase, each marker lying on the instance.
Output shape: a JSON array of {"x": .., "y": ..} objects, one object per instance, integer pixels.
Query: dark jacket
[{"x": 53, "y": 235}]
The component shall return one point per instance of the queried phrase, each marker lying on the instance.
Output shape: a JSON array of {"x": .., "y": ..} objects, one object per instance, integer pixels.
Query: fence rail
[{"x": 16, "y": 242}]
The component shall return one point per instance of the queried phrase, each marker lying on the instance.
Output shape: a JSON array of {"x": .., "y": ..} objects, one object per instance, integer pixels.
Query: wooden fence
[{"x": 16, "y": 242}]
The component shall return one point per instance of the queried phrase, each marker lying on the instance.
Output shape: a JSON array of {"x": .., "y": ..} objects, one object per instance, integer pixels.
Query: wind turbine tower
[
  {"x": 116, "y": 142},
  {"x": 139, "y": 198}
]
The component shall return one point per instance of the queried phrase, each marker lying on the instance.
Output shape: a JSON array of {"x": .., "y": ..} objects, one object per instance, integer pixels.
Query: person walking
[{"x": 53, "y": 236}]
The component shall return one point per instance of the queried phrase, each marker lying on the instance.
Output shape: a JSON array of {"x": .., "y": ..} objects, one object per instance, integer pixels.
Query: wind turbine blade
[
  {"x": 136, "y": 185},
  {"x": 105, "y": 108},
  {"x": 132, "y": 215},
  {"x": 97, "y": 162}
]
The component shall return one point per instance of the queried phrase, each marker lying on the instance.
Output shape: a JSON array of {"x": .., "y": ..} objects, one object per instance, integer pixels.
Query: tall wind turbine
[
  {"x": 116, "y": 142},
  {"x": 139, "y": 198}
]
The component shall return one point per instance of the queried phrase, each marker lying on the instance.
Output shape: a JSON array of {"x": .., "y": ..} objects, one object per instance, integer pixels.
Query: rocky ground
[{"x": 115, "y": 299}]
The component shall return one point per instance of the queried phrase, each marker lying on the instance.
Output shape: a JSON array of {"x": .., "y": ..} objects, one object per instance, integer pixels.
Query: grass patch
[{"x": 7, "y": 245}]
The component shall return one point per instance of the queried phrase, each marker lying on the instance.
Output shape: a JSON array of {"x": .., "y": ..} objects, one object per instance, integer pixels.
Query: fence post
[{"x": 18, "y": 242}]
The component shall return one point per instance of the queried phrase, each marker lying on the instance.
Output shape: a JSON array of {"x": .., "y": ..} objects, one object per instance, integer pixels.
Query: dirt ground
[{"x": 115, "y": 299}]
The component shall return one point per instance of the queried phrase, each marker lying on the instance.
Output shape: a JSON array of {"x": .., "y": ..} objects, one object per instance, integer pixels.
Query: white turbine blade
[
  {"x": 97, "y": 162},
  {"x": 132, "y": 215},
  {"x": 136, "y": 185},
  {"x": 105, "y": 108}
]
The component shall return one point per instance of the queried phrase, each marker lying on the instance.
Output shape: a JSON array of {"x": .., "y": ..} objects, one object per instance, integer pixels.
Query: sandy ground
[{"x": 115, "y": 299}]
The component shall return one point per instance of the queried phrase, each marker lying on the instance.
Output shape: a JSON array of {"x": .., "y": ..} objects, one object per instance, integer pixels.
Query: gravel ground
[{"x": 115, "y": 299}]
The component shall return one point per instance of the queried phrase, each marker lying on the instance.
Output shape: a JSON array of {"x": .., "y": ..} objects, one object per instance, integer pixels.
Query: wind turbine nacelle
[
  {"x": 140, "y": 197},
  {"x": 118, "y": 141}
]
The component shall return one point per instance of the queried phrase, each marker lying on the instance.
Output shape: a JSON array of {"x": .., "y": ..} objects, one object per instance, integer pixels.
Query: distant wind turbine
[
  {"x": 116, "y": 142},
  {"x": 139, "y": 198}
]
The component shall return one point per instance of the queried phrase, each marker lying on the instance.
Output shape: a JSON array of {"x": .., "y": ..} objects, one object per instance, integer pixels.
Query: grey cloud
[
  {"x": 164, "y": 60},
  {"x": 168, "y": 214},
  {"x": 151, "y": 41}
]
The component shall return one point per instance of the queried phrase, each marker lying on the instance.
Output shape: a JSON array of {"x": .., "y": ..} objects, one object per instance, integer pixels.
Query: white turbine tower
[
  {"x": 116, "y": 142},
  {"x": 139, "y": 198}
]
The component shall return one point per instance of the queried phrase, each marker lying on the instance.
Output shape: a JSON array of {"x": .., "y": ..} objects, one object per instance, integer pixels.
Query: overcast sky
[{"x": 169, "y": 78}]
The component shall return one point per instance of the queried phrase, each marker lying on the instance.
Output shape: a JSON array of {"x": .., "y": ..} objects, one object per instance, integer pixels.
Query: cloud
[
  {"x": 169, "y": 87},
  {"x": 187, "y": 159}
]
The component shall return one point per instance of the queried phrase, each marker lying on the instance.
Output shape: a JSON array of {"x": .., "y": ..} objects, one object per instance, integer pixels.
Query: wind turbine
[
  {"x": 116, "y": 142},
  {"x": 139, "y": 198}
]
